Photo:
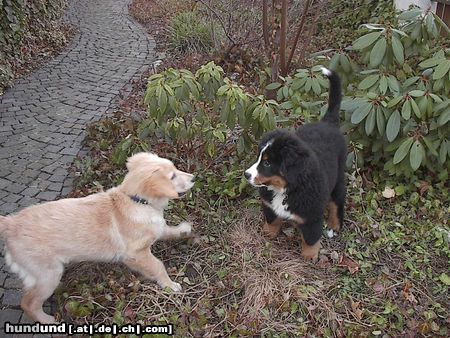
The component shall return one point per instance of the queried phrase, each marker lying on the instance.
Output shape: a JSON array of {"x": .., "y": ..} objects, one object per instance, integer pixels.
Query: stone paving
[{"x": 44, "y": 116}]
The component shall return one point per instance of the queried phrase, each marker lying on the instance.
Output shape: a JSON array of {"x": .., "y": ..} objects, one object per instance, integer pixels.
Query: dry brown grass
[
  {"x": 262, "y": 281},
  {"x": 274, "y": 277}
]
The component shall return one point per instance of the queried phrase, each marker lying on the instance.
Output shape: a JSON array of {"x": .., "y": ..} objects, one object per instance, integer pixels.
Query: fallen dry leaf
[
  {"x": 357, "y": 312},
  {"x": 388, "y": 192},
  {"x": 350, "y": 264},
  {"x": 323, "y": 261}
]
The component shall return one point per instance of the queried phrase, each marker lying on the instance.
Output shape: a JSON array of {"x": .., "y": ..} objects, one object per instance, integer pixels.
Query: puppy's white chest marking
[{"x": 278, "y": 204}]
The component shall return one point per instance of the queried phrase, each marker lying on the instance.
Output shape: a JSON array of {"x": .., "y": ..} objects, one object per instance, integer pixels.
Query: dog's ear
[
  {"x": 294, "y": 160},
  {"x": 158, "y": 186},
  {"x": 140, "y": 159}
]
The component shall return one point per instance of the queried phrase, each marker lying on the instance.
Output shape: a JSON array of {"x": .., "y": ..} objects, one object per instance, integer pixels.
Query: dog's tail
[{"x": 334, "y": 98}]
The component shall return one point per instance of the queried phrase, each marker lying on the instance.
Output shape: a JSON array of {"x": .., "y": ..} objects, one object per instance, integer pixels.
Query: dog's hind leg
[
  {"x": 152, "y": 268},
  {"x": 35, "y": 296},
  {"x": 337, "y": 204}
]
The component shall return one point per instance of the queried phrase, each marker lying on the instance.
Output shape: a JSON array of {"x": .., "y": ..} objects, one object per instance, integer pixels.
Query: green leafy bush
[
  {"x": 200, "y": 113},
  {"x": 397, "y": 107},
  {"x": 19, "y": 18},
  {"x": 188, "y": 32}
]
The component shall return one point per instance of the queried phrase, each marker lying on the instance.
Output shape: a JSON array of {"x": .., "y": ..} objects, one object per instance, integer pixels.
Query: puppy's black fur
[{"x": 311, "y": 162}]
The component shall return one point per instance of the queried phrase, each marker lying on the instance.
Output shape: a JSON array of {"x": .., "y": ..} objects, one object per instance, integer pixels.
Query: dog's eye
[
  {"x": 266, "y": 163},
  {"x": 173, "y": 176}
]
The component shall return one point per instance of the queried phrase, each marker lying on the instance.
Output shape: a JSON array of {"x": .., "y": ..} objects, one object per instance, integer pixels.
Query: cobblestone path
[{"x": 44, "y": 116}]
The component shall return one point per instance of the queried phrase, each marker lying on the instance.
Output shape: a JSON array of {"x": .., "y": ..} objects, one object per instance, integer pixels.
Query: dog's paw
[
  {"x": 185, "y": 228},
  {"x": 271, "y": 231},
  {"x": 310, "y": 257},
  {"x": 171, "y": 285},
  {"x": 330, "y": 233},
  {"x": 175, "y": 286}
]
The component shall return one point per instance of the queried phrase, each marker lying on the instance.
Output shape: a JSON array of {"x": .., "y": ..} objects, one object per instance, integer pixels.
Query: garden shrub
[
  {"x": 188, "y": 32},
  {"x": 18, "y": 19},
  {"x": 200, "y": 112},
  {"x": 397, "y": 108}
]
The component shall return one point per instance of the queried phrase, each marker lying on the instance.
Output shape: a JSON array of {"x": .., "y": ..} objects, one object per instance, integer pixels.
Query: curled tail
[{"x": 334, "y": 98}]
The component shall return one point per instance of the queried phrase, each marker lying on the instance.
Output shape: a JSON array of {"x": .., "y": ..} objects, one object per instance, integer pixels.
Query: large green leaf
[
  {"x": 429, "y": 63},
  {"x": 444, "y": 117},
  {"x": 370, "y": 122},
  {"x": 394, "y": 101},
  {"x": 334, "y": 62},
  {"x": 403, "y": 150},
  {"x": 442, "y": 69},
  {"x": 383, "y": 85},
  {"x": 366, "y": 40},
  {"x": 422, "y": 103},
  {"x": 442, "y": 24},
  {"x": 430, "y": 146},
  {"x": 368, "y": 82},
  {"x": 415, "y": 108},
  {"x": 416, "y": 93},
  {"x": 406, "y": 110},
  {"x": 381, "y": 121},
  {"x": 443, "y": 151},
  {"x": 377, "y": 53},
  {"x": 162, "y": 100},
  {"x": 315, "y": 86},
  {"x": 360, "y": 113},
  {"x": 416, "y": 155},
  {"x": 397, "y": 48},
  {"x": 409, "y": 15},
  {"x": 393, "y": 126},
  {"x": 273, "y": 86},
  {"x": 345, "y": 63}
]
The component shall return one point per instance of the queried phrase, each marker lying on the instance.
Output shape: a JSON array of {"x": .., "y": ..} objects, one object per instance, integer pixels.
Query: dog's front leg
[
  {"x": 169, "y": 232},
  {"x": 152, "y": 268}
]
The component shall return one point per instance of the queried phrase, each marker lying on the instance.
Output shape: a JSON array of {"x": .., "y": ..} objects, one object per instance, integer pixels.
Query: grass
[
  {"x": 385, "y": 274},
  {"x": 189, "y": 33}
]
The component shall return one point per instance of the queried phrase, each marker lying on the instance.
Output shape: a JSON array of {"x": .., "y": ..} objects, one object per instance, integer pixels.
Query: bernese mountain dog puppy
[{"x": 299, "y": 173}]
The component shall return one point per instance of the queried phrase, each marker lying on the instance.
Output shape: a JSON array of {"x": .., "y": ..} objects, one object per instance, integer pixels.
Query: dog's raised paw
[{"x": 185, "y": 228}]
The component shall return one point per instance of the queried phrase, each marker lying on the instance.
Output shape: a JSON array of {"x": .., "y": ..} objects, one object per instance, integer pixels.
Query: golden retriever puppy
[{"x": 118, "y": 225}]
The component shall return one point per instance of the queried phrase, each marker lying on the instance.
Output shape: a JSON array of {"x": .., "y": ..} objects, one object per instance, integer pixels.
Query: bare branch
[
  {"x": 283, "y": 33},
  {"x": 264, "y": 24},
  {"x": 311, "y": 31},
  {"x": 219, "y": 18},
  {"x": 299, "y": 32}
]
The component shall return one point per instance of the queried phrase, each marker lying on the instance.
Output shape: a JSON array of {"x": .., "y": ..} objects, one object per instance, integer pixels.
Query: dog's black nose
[
  {"x": 247, "y": 175},
  {"x": 193, "y": 179}
]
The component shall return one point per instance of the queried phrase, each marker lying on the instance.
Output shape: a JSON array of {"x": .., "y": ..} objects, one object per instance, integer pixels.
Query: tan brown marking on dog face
[
  {"x": 275, "y": 181},
  {"x": 272, "y": 230},
  {"x": 333, "y": 219},
  {"x": 310, "y": 252}
]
